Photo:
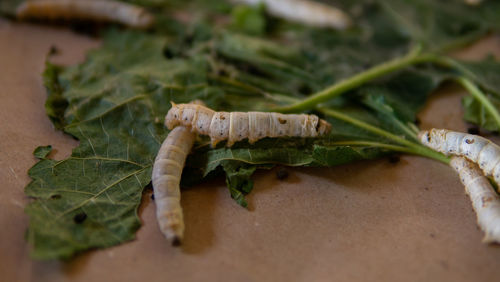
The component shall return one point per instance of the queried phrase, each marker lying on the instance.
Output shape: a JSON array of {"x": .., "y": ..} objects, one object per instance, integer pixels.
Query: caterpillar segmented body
[
  {"x": 95, "y": 10},
  {"x": 475, "y": 148},
  {"x": 236, "y": 126},
  {"x": 167, "y": 171},
  {"x": 306, "y": 11},
  {"x": 485, "y": 200}
]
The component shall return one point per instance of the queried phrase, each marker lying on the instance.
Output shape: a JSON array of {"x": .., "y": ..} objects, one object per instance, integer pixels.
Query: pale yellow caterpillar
[
  {"x": 485, "y": 200},
  {"x": 167, "y": 170},
  {"x": 475, "y": 148},
  {"x": 305, "y": 11},
  {"x": 95, "y": 10},
  {"x": 473, "y": 2},
  {"x": 236, "y": 126}
]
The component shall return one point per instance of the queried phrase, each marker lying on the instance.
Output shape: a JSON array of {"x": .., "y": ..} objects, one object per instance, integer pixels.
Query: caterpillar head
[
  {"x": 142, "y": 19},
  {"x": 324, "y": 127},
  {"x": 433, "y": 138},
  {"x": 173, "y": 116}
]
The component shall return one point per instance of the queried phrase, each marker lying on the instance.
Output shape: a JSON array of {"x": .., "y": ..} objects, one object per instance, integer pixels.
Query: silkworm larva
[
  {"x": 484, "y": 199},
  {"x": 167, "y": 171},
  {"x": 475, "y": 148},
  {"x": 305, "y": 11},
  {"x": 236, "y": 126},
  {"x": 473, "y": 2},
  {"x": 96, "y": 10}
]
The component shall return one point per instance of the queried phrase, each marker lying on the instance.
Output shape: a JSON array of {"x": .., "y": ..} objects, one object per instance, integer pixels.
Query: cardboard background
[{"x": 371, "y": 220}]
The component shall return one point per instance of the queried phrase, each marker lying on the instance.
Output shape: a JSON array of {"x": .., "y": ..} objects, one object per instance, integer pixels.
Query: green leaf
[
  {"x": 485, "y": 75},
  {"x": 116, "y": 103},
  {"x": 337, "y": 155},
  {"x": 249, "y": 19},
  {"x": 41, "y": 152},
  {"x": 8, "y": 7},
  {"x": 238, "y": 180},
  {"x": 56, "y": 103},
  {"x": 476, "y": 113}
]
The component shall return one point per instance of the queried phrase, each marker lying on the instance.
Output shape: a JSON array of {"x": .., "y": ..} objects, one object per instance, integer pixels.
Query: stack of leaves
[{"x": 115, "y": 102}]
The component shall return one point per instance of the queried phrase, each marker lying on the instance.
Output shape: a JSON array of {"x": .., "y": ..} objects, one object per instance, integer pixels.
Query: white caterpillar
[
  {"x": 475, "y": 148},
  {"x": 236, "y": 126},
  {"x": 473, "y": 2},
  {"x": 96, "y": 10},
  {"x": 167, "y": 170},
  {"x": 484, "y": 199},
  {"x": 305, "y": 11}
]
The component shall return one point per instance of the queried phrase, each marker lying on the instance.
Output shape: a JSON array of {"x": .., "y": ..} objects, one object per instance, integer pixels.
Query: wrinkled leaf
[
  {"x": 41, "y": 152},
  {"x": 115, "y": 103},
  {"x": 486, "y": 75},
  {"x": 476, "y": 113},
  {"x": 238, "y": 180}
]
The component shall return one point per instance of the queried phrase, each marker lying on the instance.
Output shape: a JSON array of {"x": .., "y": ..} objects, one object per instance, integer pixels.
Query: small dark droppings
[
  {"x": 473, "y": 130},
  {"x": 394, "y": 159},
  {"x": 444, "y": 264},
  {"x": 426, "y": 188},
  {"x": 282, "y": 173},
  {"x": 80, "y": 217},
  {"x": 153, "y": 196},
  {"x": 176, "y": 242},
  {"x": 222, "y": 72},
  {"x": 53, "y": 50},
  {"x": 305, "y": 89},
  {"x": 418, "y": 121},
  {"x": 55, "y": 197},
  {"x": 432, "y": 235},
  {"x": 167, "y": 53}
]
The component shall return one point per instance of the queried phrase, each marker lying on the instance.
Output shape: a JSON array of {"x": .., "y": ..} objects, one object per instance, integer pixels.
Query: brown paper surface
[{"x": 367, "y": 221}]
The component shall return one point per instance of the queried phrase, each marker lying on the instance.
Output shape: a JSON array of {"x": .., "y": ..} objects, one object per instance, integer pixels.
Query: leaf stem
[
  {"x": 356, "y": 81},
  {"x": 373, "y": 144},
  {"x": 480, "y": 96},
  {"x": 413, "y": 148}
]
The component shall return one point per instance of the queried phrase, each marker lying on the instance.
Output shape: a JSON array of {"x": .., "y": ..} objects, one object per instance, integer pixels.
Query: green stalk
[
  {"x": 413, "y": 148},
  {"x": 356, "y": 81},
  {"x": 408, "y": 146},
  {"x": 373, "y": 144},
  {"x": 480, "y": 96}
]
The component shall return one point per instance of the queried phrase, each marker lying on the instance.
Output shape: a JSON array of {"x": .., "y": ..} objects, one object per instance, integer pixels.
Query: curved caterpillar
[
  {"x": 306, "y": 11},
  {"x": 236, "y": 126},
  {"x": 96, "y": 10},
  {"x": 167, "y": 171},
  {"x": 485, "y": 200},
  {"x": 475, "y": 148}
]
